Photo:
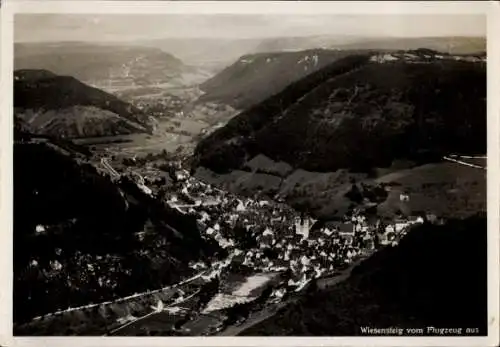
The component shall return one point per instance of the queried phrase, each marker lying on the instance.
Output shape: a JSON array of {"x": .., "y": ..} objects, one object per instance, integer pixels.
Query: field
[
  {"x": 171, "y": 133},
  {"x": 141, "y": 144},
  {"x": 447, "y": 189}
]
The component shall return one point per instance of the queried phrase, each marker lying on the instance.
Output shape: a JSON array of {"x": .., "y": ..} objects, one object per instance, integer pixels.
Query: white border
[
  {"x": 250, "y": 7},
  {"x": 258, "y": 7}
]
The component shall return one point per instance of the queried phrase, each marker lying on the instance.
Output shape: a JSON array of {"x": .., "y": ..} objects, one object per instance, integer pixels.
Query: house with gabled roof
[{"x": 347, "y": 229}]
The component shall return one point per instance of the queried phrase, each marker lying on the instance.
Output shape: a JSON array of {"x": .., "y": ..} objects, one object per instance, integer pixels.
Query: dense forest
[
  {"x": 80, "y": 238},
  {"x": 357, "y": 114}
]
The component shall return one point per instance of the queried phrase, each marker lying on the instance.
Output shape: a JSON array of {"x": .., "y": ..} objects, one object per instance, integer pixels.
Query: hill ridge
[
  {"x": 254, "y": 77},
  {"x": 85, "y": 215},
  {"x": 386, "y": 109},
  {"x": 41, "y": 93}
]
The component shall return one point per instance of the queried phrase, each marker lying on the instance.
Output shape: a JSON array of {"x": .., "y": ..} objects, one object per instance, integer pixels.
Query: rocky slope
[{"x": 63, "y": 106}]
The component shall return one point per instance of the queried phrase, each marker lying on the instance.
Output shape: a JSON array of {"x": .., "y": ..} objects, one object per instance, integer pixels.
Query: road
[
  {"x": 209, "y": 203},
  {"x": 107, "y": 166},
  {"x": 468, "y": 156},
  {"x": 105, "y": 163},
  {"x": 135, "y": 325},
  {"x": 458, "y": 161},
  {"x": 179, "y": 285}
]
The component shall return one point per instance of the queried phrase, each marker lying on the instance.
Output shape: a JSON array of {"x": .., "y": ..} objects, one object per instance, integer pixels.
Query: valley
[{"x": 155, "y": 197}]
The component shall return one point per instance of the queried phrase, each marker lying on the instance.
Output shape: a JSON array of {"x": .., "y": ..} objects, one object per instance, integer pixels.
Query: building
[
  {"x": 302, "y": 226},
  {"x": 416, "y": 220},
  {"x": 400, "y": 225},
  {"x": 383, "y": 238},
  {"x": 368, "y": 242},
  {"x": 267, "y": 238},
  {"x": 347, "y": 229},
  {"x": 430, "y": 217},
  {"x": 348, "y": 239},
  {"x": 404, "y": 197}
]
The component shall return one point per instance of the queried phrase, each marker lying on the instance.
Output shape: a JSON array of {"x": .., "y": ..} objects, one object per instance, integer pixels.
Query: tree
[{"x": 355, "y": 194}]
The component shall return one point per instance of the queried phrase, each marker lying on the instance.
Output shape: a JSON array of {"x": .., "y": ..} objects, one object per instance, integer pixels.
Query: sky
[{"x": 127, "y": 27}]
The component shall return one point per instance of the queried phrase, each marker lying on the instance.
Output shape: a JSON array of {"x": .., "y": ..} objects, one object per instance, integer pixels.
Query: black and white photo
[{"x": 250, "y": 174}]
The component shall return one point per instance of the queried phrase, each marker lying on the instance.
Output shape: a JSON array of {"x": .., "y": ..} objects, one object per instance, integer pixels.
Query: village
[
  {"x": 269, "y": 237},
  {"x": 270, "y": 254},
  {"x": 267, "y": 248}
]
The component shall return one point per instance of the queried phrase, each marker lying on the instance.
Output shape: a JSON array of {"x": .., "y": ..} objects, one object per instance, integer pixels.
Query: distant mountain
[
  {"x": 80, "y": 238},
  {"x": 63, "y": 106},
  {"x": 300, "y": 43},
  {"x": 103, "y": 65},
  {"x": 255, "y": 77},
  {"x": 360, "y": 112},
  {"x": 445, "y": 44},
  {"x": 220, "y": 52},
  {"x": 450, "y": 45},
  {"x": 425, "y": 281},
  {"x": 274, "y": 63},
  {"x": 214, "y": 53}
]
